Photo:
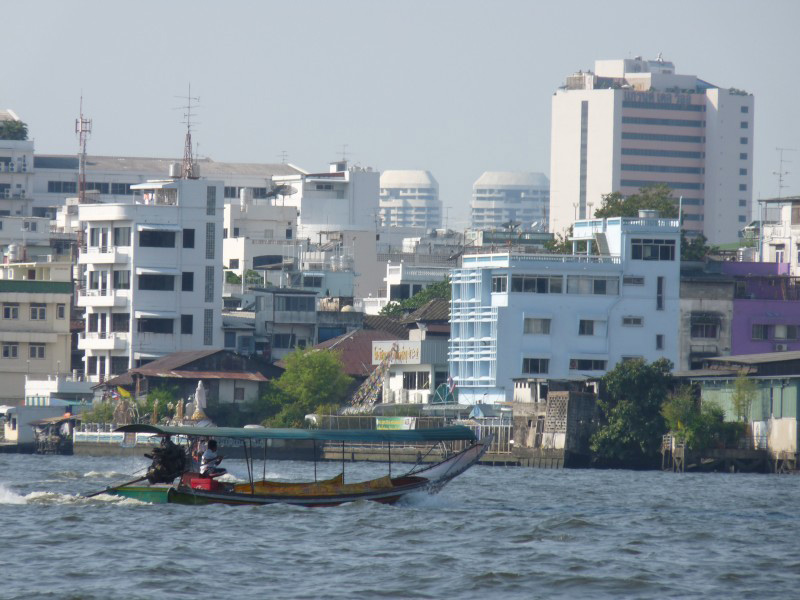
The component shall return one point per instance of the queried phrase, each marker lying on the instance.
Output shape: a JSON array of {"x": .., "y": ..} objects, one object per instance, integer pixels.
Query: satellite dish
[{"x": 281, "y": 189}]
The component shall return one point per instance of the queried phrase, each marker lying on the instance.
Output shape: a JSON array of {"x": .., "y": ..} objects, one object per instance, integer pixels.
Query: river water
[{"x": 492, "y": 533}]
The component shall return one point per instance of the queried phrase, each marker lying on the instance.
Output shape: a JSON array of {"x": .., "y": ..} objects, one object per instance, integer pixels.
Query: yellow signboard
[{"x": 395, "y": 423}]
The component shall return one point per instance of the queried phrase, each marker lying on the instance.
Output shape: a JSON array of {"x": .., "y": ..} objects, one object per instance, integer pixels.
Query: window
[
  {"x": 238, "y": 393},
  {"x": 704, "y": 329},
  {"x": 585, "y": 327},
  {"x": 785, "y": 332},
  {"x": 660, "y": 294},
  {"x": 122, "y": 236},
  {"x": 499, "y": 284},
  {"x": 235, "y": 232},
  {"x": 312, "y": 281},
  {"x": 742, "y": 218},
  {"x": 744, "y": 109},
  {"x": 36, "y": 351},
  {"x": 416, "y": 380},
  {"x": 211, "y": 200},
  {"x": 186, "y": 324},
  {"x": 61, "y": 311},
  {"x": 742, "y": 171},
  {"x": 632, "y": 321},
  {"x": 536, "y": 284},
  {"x": 10, "y": 350},
  {"x": 188, "y": 238},
  {"x": 159, "y": 283},
  {"x": 61, "y": 187},
  {"x": 187, "y": 281},
  {"x": 122, "y": 280},
  {"x": 533, "y": 366},
  {"x": 665, "y": 122},
  {"x": 119, "y": 365},
  {"x": 209, "y": 284},
  {"x": 537, "y": 326},
  {"x": 230, "y": 339},
  {"x": 631, "y": 280},
  {"x": 742, "y": 140},
  {"x": 10, "y": 310},
  {"x": 208, "y": 327},
  {"x": 157, "y": 239},
  {"x": 659, "y": 341},
  {"x": 231, "y": 192},
  {"x": 283, "y": 340},
  {"x": 742, "y": 187},
  {"x": 742, "y": 202},
  {"x": 120, "y": 322},
  {"x": 38, "y": 311},
  {"x": 744, "y": 125},
  {"x": 743, "y": 156},
  {"x": 603, "y": 286},
  {"x": 760, "y": 332},
  {"x": 155, "y": 325},
  {"x": 585, "y": 364},
  {"x": 121, "y": 189},
  {"x": 652, "y": 249},
  {"x": 210, "y": 241},
  {"x": 288, "y": 234},
  {"x": 233, "y": 263},
  {"x": 295, "y": 303}
]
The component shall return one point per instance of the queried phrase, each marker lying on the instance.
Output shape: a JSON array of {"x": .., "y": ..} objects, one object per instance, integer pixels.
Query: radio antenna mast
[
  {"x": 781, "y": 173},
  {"x": 83, "y": 127},
  {"x": 187, "y": 167}
]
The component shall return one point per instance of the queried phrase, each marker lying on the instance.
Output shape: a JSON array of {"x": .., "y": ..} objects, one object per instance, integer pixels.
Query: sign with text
[
  {"x": 395, "y": 423},
  {"x": 408, "y": 352}
]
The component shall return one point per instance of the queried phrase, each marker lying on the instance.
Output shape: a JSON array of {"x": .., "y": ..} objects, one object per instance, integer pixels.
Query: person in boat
[
  {"x": 210, "y": 460},
  {"x": 169, "y": 461}
]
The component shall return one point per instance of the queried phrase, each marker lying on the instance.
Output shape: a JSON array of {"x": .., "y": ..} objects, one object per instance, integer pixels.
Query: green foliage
[
  {"x": 165, "y": 395},
  {"x": 630, "y": 409},
  {"x": 560, "y": 244},
  {"x": 695, "y": 248},
  {"x": 435, "y": 291},
  {"x": 13, "y": 130},
  {"x": 101, "y": 412},
  {"x": 231, "y": 277},
  {"x": 699, "y": 426},
  {"x": 744, "y": 392},
  {"x": 312, "y": 378},
  {"x": 656, "y": 197},
  {"x": 253, "y": 277},
  {"x": 246, "y": 413}
]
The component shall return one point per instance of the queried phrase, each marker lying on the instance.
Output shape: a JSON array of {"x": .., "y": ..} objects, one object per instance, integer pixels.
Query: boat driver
[{"x": 210, "y": 460}]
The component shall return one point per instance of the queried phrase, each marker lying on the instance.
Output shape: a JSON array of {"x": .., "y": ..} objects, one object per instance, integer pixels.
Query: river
[{"x": 492, "y": 533}]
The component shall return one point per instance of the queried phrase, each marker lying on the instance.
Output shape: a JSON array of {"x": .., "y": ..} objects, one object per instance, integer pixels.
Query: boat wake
[{"x": 8, "y": 496}]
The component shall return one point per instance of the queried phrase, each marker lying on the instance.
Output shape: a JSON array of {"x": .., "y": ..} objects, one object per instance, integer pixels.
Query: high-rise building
[
  {"x": 410, "y": 199},
  {"x": 632, "y": 123},
  {"x": 500, "y": 197}
]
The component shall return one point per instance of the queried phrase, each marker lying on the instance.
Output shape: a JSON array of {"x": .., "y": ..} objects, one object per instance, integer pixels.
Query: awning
[
  {"x": 157, "y": 227},
  {"x": 155, "y": 314},
  {"x": 157, "y": 271}
]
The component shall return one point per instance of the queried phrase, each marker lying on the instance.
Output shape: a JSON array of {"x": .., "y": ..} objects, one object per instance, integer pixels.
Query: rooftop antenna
[
  {"x": 283, "y": 156},
  {"x": 344, "y": 152},
  {"x": 187, "y": 167},
  {"x": 83, "y": 127},
  {"x": 781, "y": 173}
]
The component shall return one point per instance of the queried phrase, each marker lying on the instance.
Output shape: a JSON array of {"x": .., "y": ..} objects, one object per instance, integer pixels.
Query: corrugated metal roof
[
  {"x": 754, "y": 359},
  {"x": 355, "y": 349},
  {"x": 434, "y": 310},
  {"x": 389, "y": 324}
]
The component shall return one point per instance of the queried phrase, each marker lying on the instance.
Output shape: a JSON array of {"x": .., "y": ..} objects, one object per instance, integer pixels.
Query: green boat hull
[{"x": 144, "y": 493}]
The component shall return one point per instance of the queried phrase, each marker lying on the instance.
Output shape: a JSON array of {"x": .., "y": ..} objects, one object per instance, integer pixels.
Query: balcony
[
  {"x": 100, "y": 298},
  {"x": 100, "y": 340},
  {"x": 104, "y": 255}
]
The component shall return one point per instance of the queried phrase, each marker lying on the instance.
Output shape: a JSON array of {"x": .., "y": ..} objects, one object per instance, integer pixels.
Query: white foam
[
  {"x": 9, "y": 497},
  {"x": 104, "y": 474}
]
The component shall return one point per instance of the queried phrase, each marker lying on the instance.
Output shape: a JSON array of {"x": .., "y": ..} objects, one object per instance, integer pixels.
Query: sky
[{"x": 456, "y": 87}]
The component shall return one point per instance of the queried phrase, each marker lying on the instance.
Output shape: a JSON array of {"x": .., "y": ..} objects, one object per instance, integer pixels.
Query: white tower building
[
  {"x": 152, "y": 274},
  {"x": 632, "y": 123},
  {"x": 410, "y": 199},
  {"x": 510, "y": 196},
  {"x": 16, "y": 172}
]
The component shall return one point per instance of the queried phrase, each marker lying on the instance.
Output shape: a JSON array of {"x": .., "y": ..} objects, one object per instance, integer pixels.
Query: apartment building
[
  {"x": 565, "y": 317},
  {"x": 780, "y": 238},
  {"x": 501, "y": 197},
  {"x": 632, "y": 123},
  {"x": 410, "y": 199},
  {"x": 16, "y": 172},
  {"x": 151, "y": 274}
]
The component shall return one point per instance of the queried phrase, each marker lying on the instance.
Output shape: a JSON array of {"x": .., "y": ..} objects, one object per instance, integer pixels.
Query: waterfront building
[
  {"x": 410, "y": 199},
  {"x": 16, "y": 172},
  {"x": 780, "y": 238},
  {"x": 36, "y": 302},
  {"x": 500, "y": 197},
  {"x": 570, "y": 317},
  {"x": 631, "y": 123},
  {"x": 151, "y": 273}
]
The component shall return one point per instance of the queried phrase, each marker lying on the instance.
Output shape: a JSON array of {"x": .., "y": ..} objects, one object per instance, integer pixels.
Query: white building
[
  {"x": 36, "y": 300},
  {"x": 565, "y": 317},
  {"x": 16, "y": 172},
  {"x": 410, "y": 199},
  {"x": 500, "y": 197},
  {"x": 780, "y": 239},
  {"x": 152, "y": 274},
  {"x": 632, "y": 123}
]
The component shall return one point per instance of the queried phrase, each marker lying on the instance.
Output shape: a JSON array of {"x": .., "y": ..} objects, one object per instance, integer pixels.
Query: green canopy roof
[{"x": 457, "y": 432}]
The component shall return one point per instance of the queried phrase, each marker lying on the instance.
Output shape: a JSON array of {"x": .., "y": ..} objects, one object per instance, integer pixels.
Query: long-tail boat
[{"x": 186, "y": 485}]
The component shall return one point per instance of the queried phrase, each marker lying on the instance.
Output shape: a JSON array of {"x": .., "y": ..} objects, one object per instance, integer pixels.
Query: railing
[
  {"x": 478, "y": 259},
  {"x": 96, "y": 293}
]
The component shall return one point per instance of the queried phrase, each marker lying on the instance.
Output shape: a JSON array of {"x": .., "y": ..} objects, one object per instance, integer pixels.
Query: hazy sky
[{"x": 455, "y": 87}]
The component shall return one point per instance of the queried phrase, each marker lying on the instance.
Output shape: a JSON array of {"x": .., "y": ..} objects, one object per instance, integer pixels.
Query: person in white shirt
[{"x": 210, "y": 460}]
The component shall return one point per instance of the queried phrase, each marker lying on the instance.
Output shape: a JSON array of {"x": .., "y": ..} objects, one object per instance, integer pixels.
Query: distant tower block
[{"x": 410, "y": 199}]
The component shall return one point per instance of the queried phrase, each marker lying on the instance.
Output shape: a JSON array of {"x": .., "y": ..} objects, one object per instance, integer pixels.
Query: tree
[
  {"x": 13, "y": 130},
  {"x": 312, "y": 378},
  {"x": 560, "y": 244},
  {"x": 655, "y": 197},
  {"x": 435, "y": 291},
  {"x": 700, "y": 426},
  {"x": 165, "y": 395},
  {"x": 630, "y": 411},
  {"x": 744, "y": 392},
  {"x": 695, "y": 248},
  {"x": 101, "y": 412}
]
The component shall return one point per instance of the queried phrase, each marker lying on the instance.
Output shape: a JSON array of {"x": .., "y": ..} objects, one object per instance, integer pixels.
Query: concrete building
[
  {"x": 36, "y": 299},
  {"x": 410, "y": 199},
  {"x": 16, "y": 172},
  {"x": 151, "y": 274},
  {"x": 565, "y": 317},
  {"x": 500, "y": 197},
  {"x": 780, "y": 238},
  {"x": 632, "y": 123}
]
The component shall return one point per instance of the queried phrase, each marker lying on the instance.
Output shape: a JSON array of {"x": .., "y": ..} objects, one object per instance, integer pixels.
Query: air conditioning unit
[{"x": 781, "y": 347}]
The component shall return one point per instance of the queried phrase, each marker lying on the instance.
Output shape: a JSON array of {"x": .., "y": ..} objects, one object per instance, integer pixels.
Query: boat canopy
[{"x": 455, "y": 432}]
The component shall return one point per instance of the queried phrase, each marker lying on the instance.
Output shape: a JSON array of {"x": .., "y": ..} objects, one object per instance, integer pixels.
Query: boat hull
[{"x": 154, "y": 494}]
